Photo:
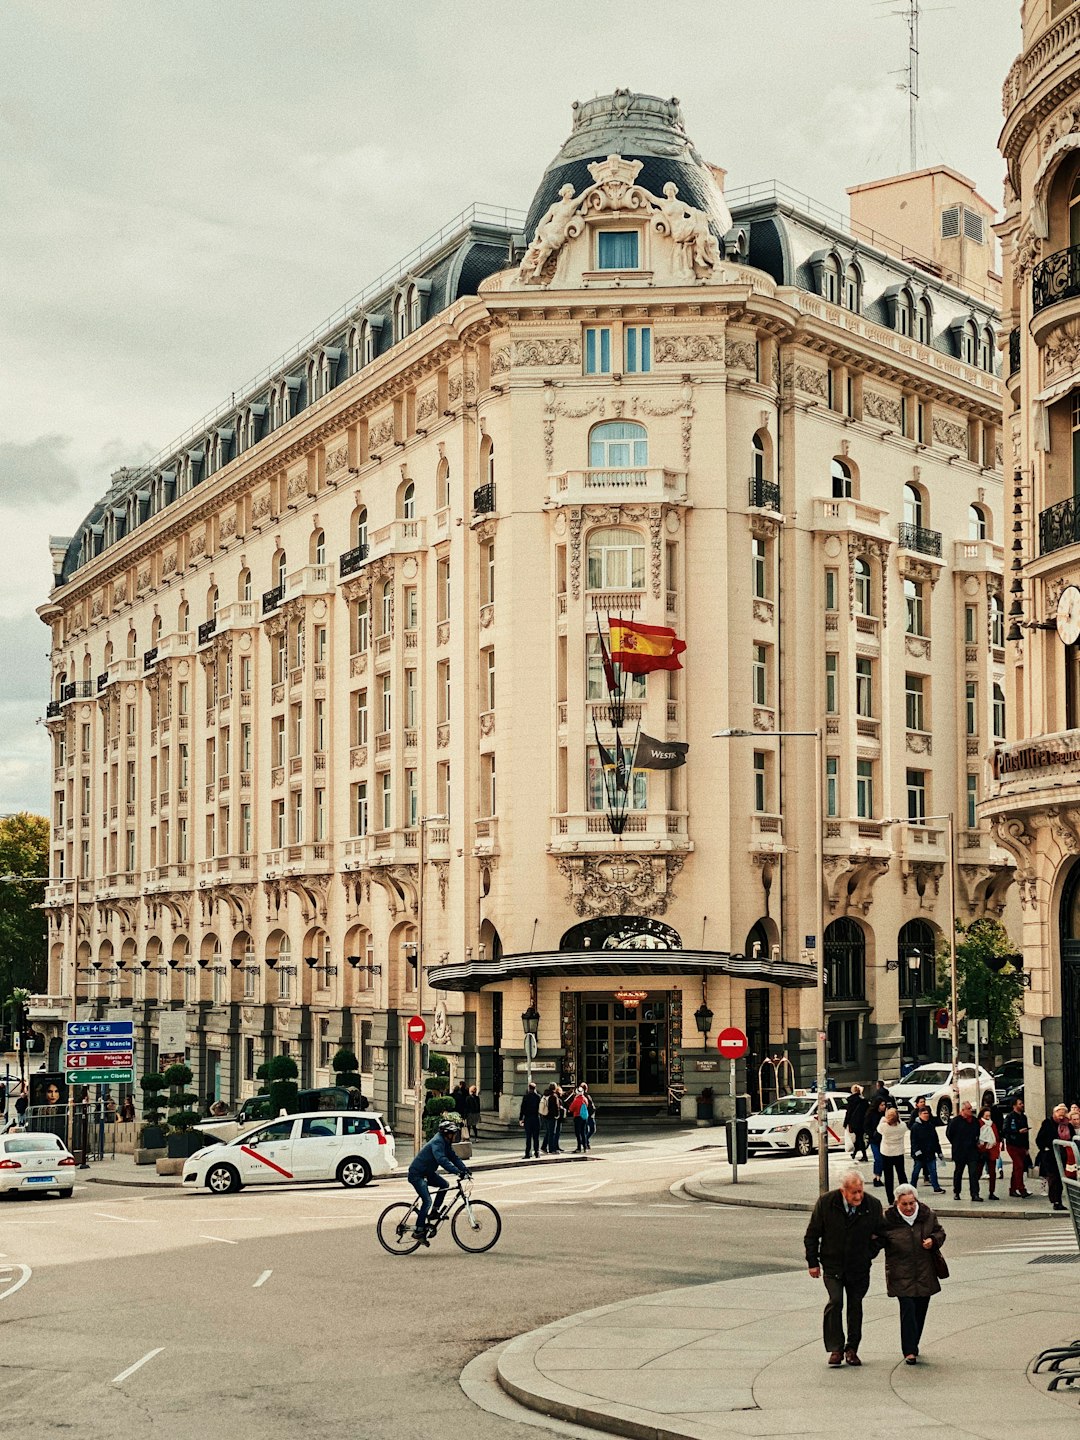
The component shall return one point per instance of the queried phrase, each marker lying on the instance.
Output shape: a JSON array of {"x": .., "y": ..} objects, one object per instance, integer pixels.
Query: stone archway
[{"x": 1069, "y": 934}]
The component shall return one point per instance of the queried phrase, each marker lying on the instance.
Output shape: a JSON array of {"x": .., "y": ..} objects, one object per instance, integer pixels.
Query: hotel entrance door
[{"x": 625, "y": 1045}]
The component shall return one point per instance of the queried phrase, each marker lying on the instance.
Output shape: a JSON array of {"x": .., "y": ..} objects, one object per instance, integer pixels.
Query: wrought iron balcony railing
[
  {"x": 1056, "y": 278},
  {"x": 52, "y": 709},
  {"x": 764, "y": 494},
  {"x": 272, "y": 599},
  {"x": 1059, "y": 525},
  {"x": 206, "y": 629},
  {"x": 350, "y": 561},
  {"x": 917, "y": 537},
  {"x": 483, "y": 499},
  {"x": 1014, "y": 351}
]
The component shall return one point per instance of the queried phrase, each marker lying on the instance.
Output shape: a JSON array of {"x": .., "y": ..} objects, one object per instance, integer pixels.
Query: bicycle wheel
[
  {"x": 394, "y": 1228},
  {"x": 488, "y": 1227}
]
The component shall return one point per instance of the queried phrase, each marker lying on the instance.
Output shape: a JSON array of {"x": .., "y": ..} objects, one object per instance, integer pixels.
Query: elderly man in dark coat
[
  {"x": 841, "y": 1241},
  {"x": 910, "y": 1235}
]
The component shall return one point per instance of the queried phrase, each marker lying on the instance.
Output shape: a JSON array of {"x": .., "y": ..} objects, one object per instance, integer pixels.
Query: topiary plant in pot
[
  {"x": 152, "y": 1133},
  {"x": 182, "y": 1119},
  {"x": 346, "y": 1069},
  {"x": 284, "y": 1091}
]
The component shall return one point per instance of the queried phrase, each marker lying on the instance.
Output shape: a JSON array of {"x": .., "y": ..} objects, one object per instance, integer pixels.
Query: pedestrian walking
[
  {"x": 550, "y": 1110},
  {"x": 893, "y": 1140},
  {"x": 840, "y": 1241},
  {"x": 592, "y": 1110},
  {"x": 1056, "y": 1126},
  {"x": 460, "y": 1097},
  {"x": 560, "y": 1117},
  {"x": 578, "y": 1109},
  {"x": 881, "y": 1092},
  {"x": 855, "y": 1122},
  {"x": 529, "y": 1118},
  {"x": 989, "y": 1149},
  {"x": 472, "y": 1114},
  {"x": 925, "y": 1149},
  {"x": 963, "y": 1135},
  {"x": 1016, "y": 1134},
  {"x": 874, "y": 1118},
  {"x": 911, "y": 1238}
]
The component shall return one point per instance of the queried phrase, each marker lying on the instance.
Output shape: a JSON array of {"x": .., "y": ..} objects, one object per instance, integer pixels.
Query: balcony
[
  {"x": 52, "y": 710},
  {"x": 310, "y": 858},
  {"x": 860, "y": 835},
  {"x": 978, "y": 556},
  {"x": 1059, "y": 525},
  {"x": 240, "y": 615},
  {"x": 844, "y": 514},
  {"x": 206, "y": 629},
  {"x": 767, "y": 833},
  {"x": 1055, "y": 279},
  {"x": 351, "y": 560},
  {"x": 76, "y": 690},
  {"x": 487, "y": 836},
  {"x": 764, "y": 494},
  {"x": 644, "y": 830},
  {"x": 400, "y": 537},
  {"x": 176, "y": 876},
  {"x": 920, "y": 539},
  {"x": 653, "y": 485},
  {"x": 483, "y": 500},
  {"x": 1014, "y": 352},
  {"x": 48, "y": 1007},
  {"x": 272, "y": 599},
  {"x": 309, "y": 580}
]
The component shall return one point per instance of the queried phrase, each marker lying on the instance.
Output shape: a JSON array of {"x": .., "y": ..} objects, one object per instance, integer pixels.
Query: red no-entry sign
[
  {"x": 732, "y": 1043},
  {"x": 416, "y": 1029}
]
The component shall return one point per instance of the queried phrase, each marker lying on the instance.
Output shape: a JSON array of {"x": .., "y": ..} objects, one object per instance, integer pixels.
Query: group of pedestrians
[
  {"x": 467, "y": 1104},
  {"x": 977, "y": 1143},
  {"x": 542, "y": 1118}
]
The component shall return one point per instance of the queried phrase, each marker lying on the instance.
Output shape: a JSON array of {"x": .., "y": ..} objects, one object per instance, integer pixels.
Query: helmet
[{"x": 448, "y": 1126}]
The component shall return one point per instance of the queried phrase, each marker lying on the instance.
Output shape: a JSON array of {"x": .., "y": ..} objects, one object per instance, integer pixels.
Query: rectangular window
[
  {"x": 411, "y": 708},
  {"x": 487, "y": 571},
  {"x": 914, "y": 688},
  {"x": 864, "y": 789},
  {"x": 409, "y": 601},
  {"x": 864, "y": 686},
  {"x": 760, "y": 782},
  {"x": 832, "y": 590},
  {"x": 913, "y": 607},
  {"x": 442, "y": 787},
  {"x": 277, "y": 824},
  {"x": 489, "y": 678},
  {"x": 298, "y": 818},
  {"x": 920, "y": 423},
  {"x": 412, "y": 799},
  {"x": 277, "y": 740},
  {"x": 832, "y": 699},
  {"x": 444, "y": 691},
  {"x": 760, "y": 675},
  {"x": 211, "y": 761},
  {"x": 360, "y": 718},
  {"x": 972, "y": 798},
  {"x": 249, "y": 1051},
  {"x": 971, "y": 708},
  {"x": 361, "y": 627},
  {"x": 320, "y": 815},
  {"x": 832, "y": 785},
  {"x": 757, "y": 567},
  {"x": 916, "y": 796},
  {"x": 998, "y": 716},
  {"x": 597, "y": 350},
  {"x": 617, "y": 250},
  {"x": 595, "y": 776},
  {"x": 386, "y": 707},
  {"x": 637, "y": 348},
  {"x": 320, "y": 644},
  {"x": 360, "y": 808},
  {"x": 182, "y": 840},
  {"x": 245, "y": 828},
  {"x": 386, "y": 800},
  {"x": 971, "y": 625}
]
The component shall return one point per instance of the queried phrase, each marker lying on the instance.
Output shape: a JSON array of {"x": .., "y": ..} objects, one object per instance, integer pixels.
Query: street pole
[
  {"x": 913, "y": 976},
  {"x": 418, "y": 1093},
  {"x": 734, "y": 1129},
  {"x": 822, "y": 1033},
  {"x": 954, "y": 1019}
]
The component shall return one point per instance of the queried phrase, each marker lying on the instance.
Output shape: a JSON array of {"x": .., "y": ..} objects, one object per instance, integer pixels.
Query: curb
[{"x": 694, "y": 1188}]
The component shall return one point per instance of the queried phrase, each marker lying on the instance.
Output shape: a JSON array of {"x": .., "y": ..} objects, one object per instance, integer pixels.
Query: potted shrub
[
  {"x": 346, "y": 1070},
  {"x": 705, "y": 1114},
  {"x": 435, "y": 1107},
  {"x": 182, "y": 1119},
  {"x": 282, "y": 1073},
  {"x": 152, "y": 1133}
]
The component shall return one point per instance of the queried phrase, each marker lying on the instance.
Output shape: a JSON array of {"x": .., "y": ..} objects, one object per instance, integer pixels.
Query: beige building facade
[
  {"x": 1034, "y": 803},
  {"x": 329, "y": 708}
]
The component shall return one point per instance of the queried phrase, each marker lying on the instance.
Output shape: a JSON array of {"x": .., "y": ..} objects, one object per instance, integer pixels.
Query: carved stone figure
[
  {"x": 696, "y": 246},
  {"x": 551, "y": 234}
]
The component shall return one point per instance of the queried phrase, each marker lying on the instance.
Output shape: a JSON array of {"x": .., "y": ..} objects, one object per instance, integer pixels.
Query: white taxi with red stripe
[
  {"x": 790, "y": 1123},
  {"x": 348, "y": 1146}
]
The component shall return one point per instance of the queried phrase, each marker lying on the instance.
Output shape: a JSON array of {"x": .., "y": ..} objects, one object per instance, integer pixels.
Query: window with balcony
[
  {"x": 488, "y": 800},
  {"x": 976, "y": 522},
  {"x": 411, "y": 699},
  {"x": 618, "y": 445},
  {"x": 595, "y": 681},
  {"x": 386, "y": 800},
  {"x": 408, "y": 502},
  {"x": 615, "y": 560},
  {"x": 841, "y": 480},
  {"x": 759, "y": 675},
  {"x": 998, "y": 712},
  {"x": 596, "y": 775},
  {"x": 914, "y": 616},
  {"x": 914, "y": 711},
  {"x": 864, "y": 686},
  {"x": 386, "y": 705},
  {"x": 864, "y": 789},
  {"x": 760, "y": 782},
  {"x": 972, "y": 800},
  {"x": 916, "y": 796},
  {"x": 412, "y": 798},
  {"x": 832, "y": 694},
  {"x": 598, "y": 350},
  {"x": 832, "y": 786},
  {"x": 913, "y": 507},
  {"x": 246, "y": 835}
]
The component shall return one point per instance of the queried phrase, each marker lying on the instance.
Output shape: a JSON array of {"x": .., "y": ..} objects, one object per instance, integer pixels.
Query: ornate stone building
[
  {"x": 1034, "y": 802},
  {"x": 330, "y": 713}
]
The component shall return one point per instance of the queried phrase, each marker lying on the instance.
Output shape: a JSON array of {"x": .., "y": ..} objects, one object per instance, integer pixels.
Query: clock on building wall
[{"x": 1068, "y": 615}]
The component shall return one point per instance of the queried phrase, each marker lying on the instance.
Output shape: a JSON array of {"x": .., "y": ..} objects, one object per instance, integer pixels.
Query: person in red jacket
[
  {"x": 989, "y": 1148},
  {"x": 579, "y": 1110}
]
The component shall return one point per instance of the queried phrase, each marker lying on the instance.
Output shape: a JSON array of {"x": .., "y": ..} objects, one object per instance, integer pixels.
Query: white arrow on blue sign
[{"x": 100, "y": 1027}]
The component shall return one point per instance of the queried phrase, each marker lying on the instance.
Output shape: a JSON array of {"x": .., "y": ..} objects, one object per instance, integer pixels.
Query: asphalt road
[{"x": 338, "y": 1337}]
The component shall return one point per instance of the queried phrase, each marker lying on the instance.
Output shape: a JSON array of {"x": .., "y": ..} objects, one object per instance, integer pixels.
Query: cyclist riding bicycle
[{"x": 424, "y": 1170}]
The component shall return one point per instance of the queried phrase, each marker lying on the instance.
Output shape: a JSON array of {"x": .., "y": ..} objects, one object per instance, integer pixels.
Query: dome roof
[{"x": 638, "y": 127}]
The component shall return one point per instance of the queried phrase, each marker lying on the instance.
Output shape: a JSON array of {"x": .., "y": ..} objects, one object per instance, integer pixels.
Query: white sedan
[
  {"x": 36, "y": 1160},
  {"x": 791, "y": 1124},
  {"x": 343, "y": 1145}
]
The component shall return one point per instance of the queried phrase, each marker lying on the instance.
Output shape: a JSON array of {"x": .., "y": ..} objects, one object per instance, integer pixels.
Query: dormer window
[{"x": 617, "y": 250}]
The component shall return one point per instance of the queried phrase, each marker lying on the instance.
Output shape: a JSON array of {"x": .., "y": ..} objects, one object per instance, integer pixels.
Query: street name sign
[{"x": 99, "y": 1052}]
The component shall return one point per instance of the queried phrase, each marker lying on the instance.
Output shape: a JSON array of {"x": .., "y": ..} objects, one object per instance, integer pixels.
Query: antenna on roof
[{"x": 910, "y": 12}]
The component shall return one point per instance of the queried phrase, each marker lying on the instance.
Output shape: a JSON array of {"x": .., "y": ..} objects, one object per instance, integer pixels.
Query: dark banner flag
[{"x": 659, "y": 754}]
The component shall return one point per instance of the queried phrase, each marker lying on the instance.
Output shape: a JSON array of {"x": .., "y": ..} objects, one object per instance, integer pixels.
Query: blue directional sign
[
  {"x": 101, "y": 1042},
  {"x": 100, "y": 1027},
  {"x": 101, "y": 1051}
]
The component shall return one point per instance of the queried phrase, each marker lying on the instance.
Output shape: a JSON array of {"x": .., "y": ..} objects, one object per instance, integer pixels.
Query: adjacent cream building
[
  {"x": 326, "y": 673},
  {"x": 1034, "y": 803}
]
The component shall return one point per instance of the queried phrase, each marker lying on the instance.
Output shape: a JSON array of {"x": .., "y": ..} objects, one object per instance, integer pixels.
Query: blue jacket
[{"x": 437, "y": 1153}]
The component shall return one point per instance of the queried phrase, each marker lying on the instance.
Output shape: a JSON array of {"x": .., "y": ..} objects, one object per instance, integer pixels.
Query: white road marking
[
  {"x": 124, "y": 1219},
  {"x": 119, "y": 1379},
  {"x": 262, "y": 1279},
  {"x": 219, "y": 1239},
  {"x": 23, "y": 1278}
]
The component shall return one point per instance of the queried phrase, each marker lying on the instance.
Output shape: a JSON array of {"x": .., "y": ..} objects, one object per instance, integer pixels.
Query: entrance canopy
[{"x": 473, "y": 975}]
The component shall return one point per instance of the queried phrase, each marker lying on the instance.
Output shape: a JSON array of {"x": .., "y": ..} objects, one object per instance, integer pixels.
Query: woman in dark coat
[
  {"x": 472, "y": 1114},
  {"x": 910, "y": 1234},
  {"x": 1056, "y": 1126}
]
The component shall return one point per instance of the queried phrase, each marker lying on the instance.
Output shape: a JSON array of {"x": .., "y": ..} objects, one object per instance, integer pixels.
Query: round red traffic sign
[
  {"x": 732, "y": 1043},
  {"x": 416, "y": 1029}
]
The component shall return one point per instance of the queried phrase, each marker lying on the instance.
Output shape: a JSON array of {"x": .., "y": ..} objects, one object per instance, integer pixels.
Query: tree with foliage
[
  {"x": 284, "y": 1091},
  {"x": 346, "y": 1069},
  {"x": 182, "y": 1117},
  {"x": 985, "y": 990},
  {"x": 24, "y": 858}
]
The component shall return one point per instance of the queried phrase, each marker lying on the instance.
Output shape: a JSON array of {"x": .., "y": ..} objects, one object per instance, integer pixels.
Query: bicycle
[{"x": 474, "y": 1224}]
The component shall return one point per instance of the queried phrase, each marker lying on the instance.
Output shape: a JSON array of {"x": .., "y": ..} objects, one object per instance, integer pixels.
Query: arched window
[
  {"x": 863, "y": 587},
  {"x": 618, "y": 445},
  {"x": 987, "y": 349},
  {"x": 318, "y": 547},
  {"x": 442, "y": 485},
  {"x": 109, "y": 644},
  {"x": 275, "y": 408},
  {"x": 913, "y": 506},
  {"x": 386, "y": 615},
  {"x": 998, "y": 716},
  {"x": 757, "y": 458},
  {"x": 312, "y": 378},
  {"x": 243, "y": 585},
  {"x": 211, "y": 602},
  {"x": 279, "y": 568},
  {"x": 916, "y": 941},
  {"x": 969, "y": 343},
  {"x": 616, "y": 560},
  {"x": 997, "y": 622},
  {"x": 976, "y": 522},
  {"x": 924, "y": 322},
  {"x": 1074, "y": 212},
  {"x": 845, "y": 960},
  {"x": 132, "y": 643},
  {"x": 830, "y": 279},
  {"x": 367, "y": 344},
  {"x": 408, "y": 502},
  {"x": 852, "y": 296},
  {"x": 360, "y": 527},
  {"x": 905, "y": 312},
  {"x": 400, "y": 317},
  {"x": 415, "y": 308},
  {"x": 841, "y": 480},
  {"x": 182, "y": 613},
  {"x": 355, "y": 351}
]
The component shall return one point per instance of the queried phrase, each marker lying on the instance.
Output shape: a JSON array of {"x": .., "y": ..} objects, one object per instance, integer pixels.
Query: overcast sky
[{"x": 190, "y": 186}]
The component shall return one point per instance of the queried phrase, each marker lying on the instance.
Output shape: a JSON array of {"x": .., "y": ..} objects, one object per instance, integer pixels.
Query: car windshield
[
  {"x": 27, "y": 1144},
  {"x": 789, "y": 1105},
  {"x": 929, "y": 1075}
]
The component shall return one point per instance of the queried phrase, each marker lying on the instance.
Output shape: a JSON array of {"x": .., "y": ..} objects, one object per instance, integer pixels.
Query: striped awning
[{"x": 473, "y": 975}]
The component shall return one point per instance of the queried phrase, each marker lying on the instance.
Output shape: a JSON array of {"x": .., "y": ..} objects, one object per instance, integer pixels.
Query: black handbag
[{"x": 941, "y": 1265}]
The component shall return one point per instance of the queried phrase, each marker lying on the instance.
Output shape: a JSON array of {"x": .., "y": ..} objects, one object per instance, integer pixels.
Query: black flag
[{"x": 659, "y": 754}]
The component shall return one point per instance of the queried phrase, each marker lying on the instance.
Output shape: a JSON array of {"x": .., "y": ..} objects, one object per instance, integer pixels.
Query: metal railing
[
  {"x": 764, "y": 494},
  {"x": 1059, "y": 525},
  {"x": 1014, "y": 351},
  {"x": 483, "y": 499},
  {"x": 918, "y": 537},
  {"x": 1056, "y": 278},
  {"x": 52, "y": 709},
  {"x": 350, "y": 561}
]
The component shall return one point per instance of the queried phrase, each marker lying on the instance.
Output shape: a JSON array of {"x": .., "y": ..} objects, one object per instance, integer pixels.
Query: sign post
[
  {"x": 530, "y": 1056},
  {"x": 733, "y": 1044},
  {"x": 99, "y": 1052},
  {"x": 416, "y": 1029}
]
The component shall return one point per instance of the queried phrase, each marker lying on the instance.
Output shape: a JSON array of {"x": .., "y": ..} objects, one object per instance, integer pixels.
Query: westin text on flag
[
  {"x": 640, "y": 649},
  {"x": 659, "y": 754}
]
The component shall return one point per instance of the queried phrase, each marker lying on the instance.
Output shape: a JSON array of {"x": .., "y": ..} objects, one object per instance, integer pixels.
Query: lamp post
[
  {"x": 703, "y": 1018},
  {"x": 530, "y": 1024},
  {"x": 418, "y": 1094},
  {"x": 819, "y": 921}
]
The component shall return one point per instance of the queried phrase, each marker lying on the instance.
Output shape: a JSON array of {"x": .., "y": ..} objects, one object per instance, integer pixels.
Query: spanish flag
[{"x": 640, "y": 649}]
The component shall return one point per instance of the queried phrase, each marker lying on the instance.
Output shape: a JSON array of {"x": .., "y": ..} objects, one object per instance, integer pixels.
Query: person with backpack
[
  {"x": 551, "y": 1112},
  {"x": 579, "y": 1110}
]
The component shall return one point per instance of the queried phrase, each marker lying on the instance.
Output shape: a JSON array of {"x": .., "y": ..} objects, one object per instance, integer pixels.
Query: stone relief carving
[
  {"x": 575, "y": 551},
  {"x": 196, "y": 544},
  {"x": 763, "y": 611},
  {"x": 260, "y": 506},
  {"x": 919, "y": 743},
  {"x": 1062, "y": 349},
  {"x": 337, "y": 459},
  {"x": 881, "y": 407},
  {"x": 878, "y": 550},
  {"x": 427, "y": 405},
  {"x": 812, "y": 381},
  {"x": 381, "y": 433},
  {"x": 620, "y": 884},
  {"x": 850, "y": 880},
  {"x": 455, "y": 387},
  {"x": 227, "y": 525},
  {"x": 741, "y": 354},
  {"x": 548, "y": 350},
  {"x": 487, "y": 723},
  {"x": 120, "y": 587},
  {"x": 297, "y": 484},
  {"x": 924, "y": 875},
  {"x": 950, "y": 432},
  {"x": 500, "y": 360},
  {"x": 917, "y": 646},
  {"x": 687, "y": 349}
]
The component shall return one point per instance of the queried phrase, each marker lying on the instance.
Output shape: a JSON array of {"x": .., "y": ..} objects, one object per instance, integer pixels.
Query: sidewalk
[
  {"x": 745, "y": 1358},
  {"x": 764, "y": 1185}
]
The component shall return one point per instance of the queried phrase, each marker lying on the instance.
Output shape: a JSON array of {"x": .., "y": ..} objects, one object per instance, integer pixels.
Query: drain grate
[{"x": 1054, "y": 1260}]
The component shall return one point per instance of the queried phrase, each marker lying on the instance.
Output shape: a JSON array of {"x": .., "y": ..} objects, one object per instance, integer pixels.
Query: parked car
[
  {"x": 339, "y": 1145},
  {"x": 791, "y": 1123},
  {"x": 257, "y": 1108},
  {"x": 1008, "y": 1081},
  {"x": 36, "y": 1160},
  {"x": 935, "y": 1082}
]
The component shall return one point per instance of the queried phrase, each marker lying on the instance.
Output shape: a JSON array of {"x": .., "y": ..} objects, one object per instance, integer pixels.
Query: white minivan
[{"x": 348, "y": 1146}]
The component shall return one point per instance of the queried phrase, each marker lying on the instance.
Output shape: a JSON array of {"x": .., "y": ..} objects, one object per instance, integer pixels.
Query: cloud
[{"x": 36, "y": 473}]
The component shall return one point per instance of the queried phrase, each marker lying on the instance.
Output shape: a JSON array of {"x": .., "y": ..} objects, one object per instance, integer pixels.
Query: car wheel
[
  {"x": 222, "y": 1180},
  {"x": 804, "y": 1143},
  {"x": 944, "y": 1111},
  {"x": 354, "y": 1172},
  {"x": 67, "y": 1192}
]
